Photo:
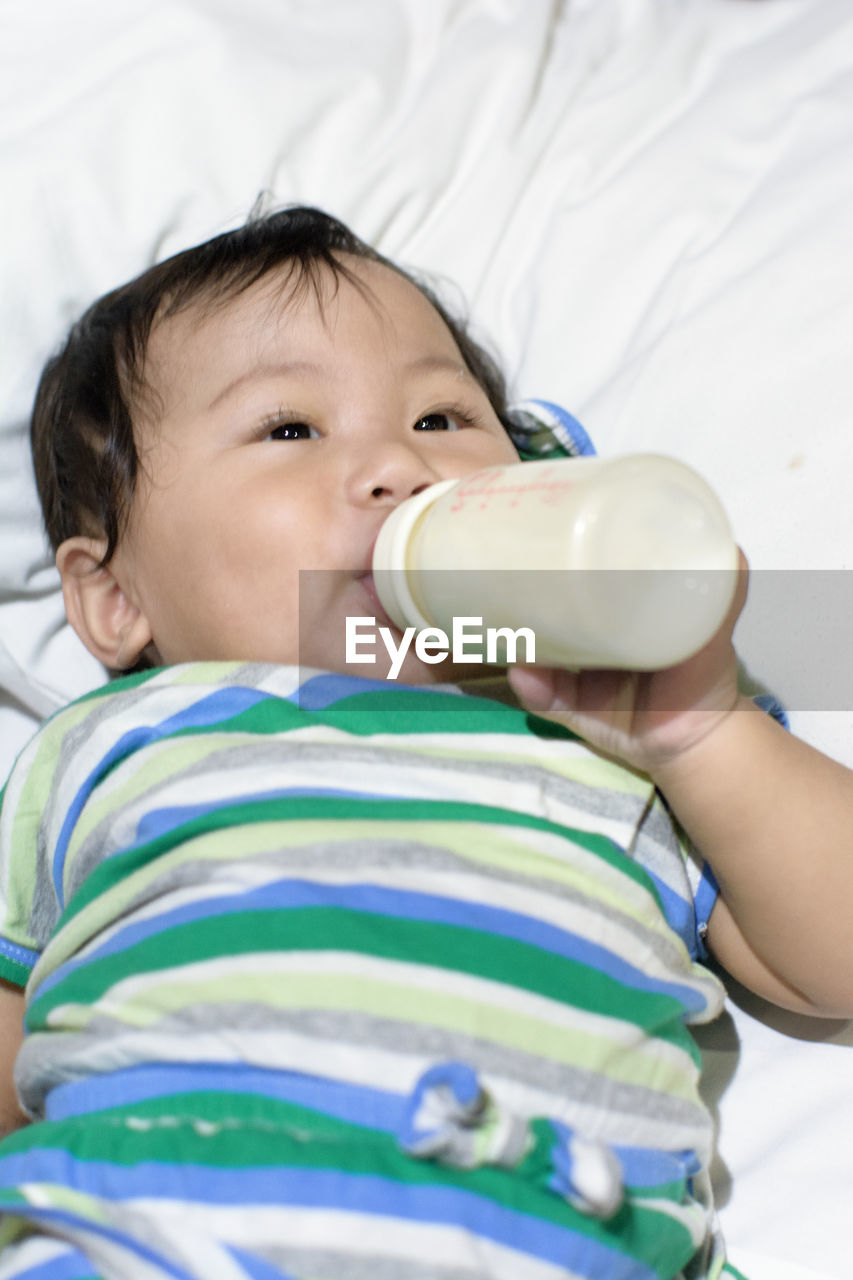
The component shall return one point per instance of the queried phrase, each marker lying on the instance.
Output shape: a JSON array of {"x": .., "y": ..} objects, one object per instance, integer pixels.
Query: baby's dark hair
[{"x": 84, "y": 451}]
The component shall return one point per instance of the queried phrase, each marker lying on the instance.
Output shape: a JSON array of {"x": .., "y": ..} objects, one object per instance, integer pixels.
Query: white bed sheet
[{"x": 646, "y": 204}]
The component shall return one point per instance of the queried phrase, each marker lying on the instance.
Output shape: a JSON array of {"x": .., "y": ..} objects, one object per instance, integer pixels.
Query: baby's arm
[
  {"x": 773, "y": 816},
  {"x": 11, "y": 1035}
]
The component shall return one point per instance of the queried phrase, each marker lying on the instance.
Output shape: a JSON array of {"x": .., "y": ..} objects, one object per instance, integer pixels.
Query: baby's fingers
[
  {"x": 599, "y": 706},
  {"x": 538, "y": 688}
]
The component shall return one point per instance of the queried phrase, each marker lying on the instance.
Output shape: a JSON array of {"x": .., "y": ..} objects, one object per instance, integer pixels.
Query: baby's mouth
[{"x": 365, "y": 581}]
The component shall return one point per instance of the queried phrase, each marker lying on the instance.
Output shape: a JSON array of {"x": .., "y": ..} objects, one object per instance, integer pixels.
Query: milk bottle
[{"x": 627, "y": 562}]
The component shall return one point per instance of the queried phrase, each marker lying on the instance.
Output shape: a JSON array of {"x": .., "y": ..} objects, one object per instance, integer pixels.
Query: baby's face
[{"x": 285, "y": 432}]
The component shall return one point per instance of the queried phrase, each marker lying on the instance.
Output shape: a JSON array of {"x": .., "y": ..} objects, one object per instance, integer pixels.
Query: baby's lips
[{"x": 366, "y": 580}]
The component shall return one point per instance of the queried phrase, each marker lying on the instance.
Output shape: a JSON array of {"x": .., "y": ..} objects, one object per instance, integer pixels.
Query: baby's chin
[
  {"x": 359, "y": 645},
  {"x": 410, "y": 671},
  {"x": 404, "y": 670},
  {"x": 413, "y": 672}
]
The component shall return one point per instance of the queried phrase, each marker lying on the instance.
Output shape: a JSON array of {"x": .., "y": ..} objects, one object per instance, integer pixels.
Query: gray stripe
[
  {"x": 595, "y": 800},
  {"x": 276, "y": 754},
  {"x": 326, "y": 1264}
]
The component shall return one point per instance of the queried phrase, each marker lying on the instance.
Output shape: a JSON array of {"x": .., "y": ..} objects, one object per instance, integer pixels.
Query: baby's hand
[{"x": 644, "y": 718}]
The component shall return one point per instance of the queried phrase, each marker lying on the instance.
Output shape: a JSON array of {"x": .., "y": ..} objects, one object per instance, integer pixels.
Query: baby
[{"x": 333, "y": 977}]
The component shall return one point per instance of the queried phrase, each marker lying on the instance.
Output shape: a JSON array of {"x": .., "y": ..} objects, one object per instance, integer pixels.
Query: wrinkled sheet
[{"x": 646, "y": 204}]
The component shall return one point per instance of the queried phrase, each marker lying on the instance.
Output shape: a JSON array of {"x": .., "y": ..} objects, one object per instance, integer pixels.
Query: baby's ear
[{"x": 109, "y": 624}]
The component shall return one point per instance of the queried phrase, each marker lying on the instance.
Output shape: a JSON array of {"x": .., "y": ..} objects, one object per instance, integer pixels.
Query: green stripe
[
  {"x": 13, "y": 971},
  {"x": 499, "y": 850},
  {"x": 120, "y": 685},
  {"x": 401, "y": 710},
  {"x": 436, "y": 945},
  {"x": 270, "y": 1133}
]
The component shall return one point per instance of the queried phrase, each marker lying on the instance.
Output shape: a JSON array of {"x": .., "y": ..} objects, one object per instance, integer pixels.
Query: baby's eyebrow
[
  {"x": 429, "y": 363},
  {"x": 438, "y": 364},
  {"x": 293, "y": 368}
]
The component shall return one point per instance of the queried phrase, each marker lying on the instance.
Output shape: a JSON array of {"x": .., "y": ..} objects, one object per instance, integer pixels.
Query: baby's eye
[
  {"x": 290, "y": 431},
  {"x": 437, "y": 422}
]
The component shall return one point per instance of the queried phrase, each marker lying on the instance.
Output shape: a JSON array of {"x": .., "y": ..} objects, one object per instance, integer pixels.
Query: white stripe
[
  {"x": 361, "y": 1235},
  {"x": 408, "y": 778},
  {"x": 31, "y": 1251},
  {"x": 111, "y": 1260}
]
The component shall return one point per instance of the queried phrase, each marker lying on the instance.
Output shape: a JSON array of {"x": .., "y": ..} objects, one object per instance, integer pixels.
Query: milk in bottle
[{"x": 627, "y": 562}]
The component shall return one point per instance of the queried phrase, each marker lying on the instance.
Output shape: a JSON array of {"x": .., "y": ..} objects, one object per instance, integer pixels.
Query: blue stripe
[
  {"x": 645, "y": 1167},
  {"x": 679, "y": 911},
  {"x": 291, "y": 894},
  {"x": 567, "y": 429},
  {"x": 21, "y": 955},
  {"x": 255, "y": 1268},
  {"x": 327, "y": 688},
  {"x": 160, "y": 822},
  {"x": 359, "y": 1105},
  {"x": 329, "y": 1189},
  {"x": 213, "y": 708},
  {"x": 354, "y": 1104},
  {"x": 32, "y": 1213},
  {"x": 706, "y": 896},
  {"x": 71, "y": 1264}
]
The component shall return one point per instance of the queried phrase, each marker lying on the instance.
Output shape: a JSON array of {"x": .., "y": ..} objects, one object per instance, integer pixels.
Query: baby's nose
[{"x": 389, "y": 474}]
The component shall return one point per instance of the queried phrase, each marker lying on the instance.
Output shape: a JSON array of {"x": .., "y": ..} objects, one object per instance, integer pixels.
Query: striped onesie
[{"x": 331, "y": 979}]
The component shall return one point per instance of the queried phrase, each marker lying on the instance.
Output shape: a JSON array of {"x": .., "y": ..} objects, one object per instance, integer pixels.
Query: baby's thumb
[{"x": 535, "y": 688}]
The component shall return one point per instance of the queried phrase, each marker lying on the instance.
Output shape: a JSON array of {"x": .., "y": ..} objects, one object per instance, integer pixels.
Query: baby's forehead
[
  {"x": 191, "y": 343},
  {"x": 288, "y": 300}
]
